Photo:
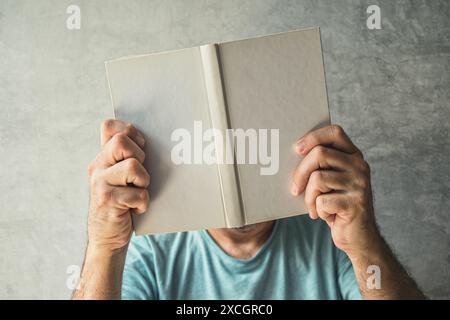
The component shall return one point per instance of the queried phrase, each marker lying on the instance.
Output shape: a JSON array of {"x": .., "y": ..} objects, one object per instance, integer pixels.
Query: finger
[
  {"x": 331, "y": 204},
  {"x": 323, "y": 181},
  {"x": 118, "y": 148},
  {"x": 130, "y": 198},
  {"x": 129, "y": 171},
  {"x": 111, "y": 127},
  {"x": 333, "y": 136},
  {"x": 319, "y": 158}
]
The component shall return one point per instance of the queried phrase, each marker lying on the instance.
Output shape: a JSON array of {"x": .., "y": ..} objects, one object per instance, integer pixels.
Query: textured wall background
[{"x": 389, "y": 88}]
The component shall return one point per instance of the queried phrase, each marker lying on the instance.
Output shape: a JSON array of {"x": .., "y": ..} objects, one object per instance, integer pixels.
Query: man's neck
[{"x": 242, "y": 243}]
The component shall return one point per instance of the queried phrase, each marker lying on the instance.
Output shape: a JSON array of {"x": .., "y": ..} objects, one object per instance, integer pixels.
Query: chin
[
  {"x": 252, "y": 228},
  {"x": 246, "y": 228}
]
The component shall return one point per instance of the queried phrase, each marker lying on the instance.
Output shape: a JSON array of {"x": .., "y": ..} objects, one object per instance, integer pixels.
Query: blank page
[
  {"x": 274, "y": 82},
  {"x": 159, "y": 93}
]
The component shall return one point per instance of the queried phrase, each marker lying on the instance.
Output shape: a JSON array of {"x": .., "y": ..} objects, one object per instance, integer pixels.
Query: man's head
[
  {"x": 250, "y": 230},
  {"x": 242, "y": 242}
]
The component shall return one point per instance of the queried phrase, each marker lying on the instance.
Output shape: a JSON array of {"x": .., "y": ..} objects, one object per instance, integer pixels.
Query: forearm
[
  {"x": 101, "y": 277},
  {"x": 395, "y": 283}
]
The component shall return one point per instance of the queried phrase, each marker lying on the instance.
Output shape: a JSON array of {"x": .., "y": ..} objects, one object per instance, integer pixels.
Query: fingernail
[
  {"x": 294, "y": 189},
  {"x": 301, "y": 146}
]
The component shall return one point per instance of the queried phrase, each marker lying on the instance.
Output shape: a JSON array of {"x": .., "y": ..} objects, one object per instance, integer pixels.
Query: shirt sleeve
[
  {"x": 139, "y": 281},
  {"x": 346, "y": 278}
]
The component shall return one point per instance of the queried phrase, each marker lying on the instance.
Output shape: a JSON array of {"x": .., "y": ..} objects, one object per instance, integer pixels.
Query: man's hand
[
  {"x": 335, "y": 180},
  {"x": 118, "y": 184}
]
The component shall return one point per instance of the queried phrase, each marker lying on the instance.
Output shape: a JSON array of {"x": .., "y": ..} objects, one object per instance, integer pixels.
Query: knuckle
[
  {"x": 132, "y": 165},
  {"x": 316, "y": 177},
  {"x": 320, "y": 151},
  {"x": 337, "y": 131},
  {"x": 363, "y": 182},
  {"x": 144, "y": 196},
  {"x": 366, "y": 167},
  {"x": 359, "y": 154},
  {"x": 144, "y": 199},
  {"x": 91, "y": 168},
  {"x": 129, "y": 129},
  {"x": 312, "y": 139},
  {"x": 96, "y": 180},
  {"x": 119, "y": 141},
  {"x": 363, "y": 166},
  {"x": 106, "y": 124},
  {"x": 147, "y": 178},
  {"x": 321, "y": 201},
  {"x": 100, "y": 191},
  {"x": 103, "y": 195}
]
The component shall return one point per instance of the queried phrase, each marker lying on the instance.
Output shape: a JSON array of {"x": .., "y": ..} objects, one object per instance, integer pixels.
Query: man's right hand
[{"x": 118, "y": 184}]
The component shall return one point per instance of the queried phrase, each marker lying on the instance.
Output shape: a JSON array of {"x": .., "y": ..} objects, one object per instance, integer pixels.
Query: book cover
[{"x": 221, "y": 121}]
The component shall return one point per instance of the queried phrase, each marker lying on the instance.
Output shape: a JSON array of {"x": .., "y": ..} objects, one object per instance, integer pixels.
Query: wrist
[
  {"x": 105, "y": 253},
  {"x": 369, "y": 243},
  {"x": 101, "y": 277}
]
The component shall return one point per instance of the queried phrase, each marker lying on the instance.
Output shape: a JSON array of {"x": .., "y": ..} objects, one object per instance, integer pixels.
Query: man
[{"x": 329, "y": 254}]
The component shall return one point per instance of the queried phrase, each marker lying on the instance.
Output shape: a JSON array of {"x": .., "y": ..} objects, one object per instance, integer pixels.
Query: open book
[{"x": 255, "y": 97}]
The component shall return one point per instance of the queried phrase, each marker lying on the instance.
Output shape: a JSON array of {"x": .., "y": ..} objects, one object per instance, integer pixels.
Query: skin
[{"x": 332, "y": 175}]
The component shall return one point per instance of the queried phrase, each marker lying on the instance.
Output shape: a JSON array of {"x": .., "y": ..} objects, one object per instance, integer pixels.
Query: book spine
[{"x": 231, "y": 201}]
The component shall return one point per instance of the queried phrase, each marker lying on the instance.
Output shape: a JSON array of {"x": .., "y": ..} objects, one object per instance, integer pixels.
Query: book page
[
  {"x": 274, "y": 82},
  {"x": 160, "y": 93}
]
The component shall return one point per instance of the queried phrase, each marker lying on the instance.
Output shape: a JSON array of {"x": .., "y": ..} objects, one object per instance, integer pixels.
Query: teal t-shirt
[{"x": 297, "y": 261}]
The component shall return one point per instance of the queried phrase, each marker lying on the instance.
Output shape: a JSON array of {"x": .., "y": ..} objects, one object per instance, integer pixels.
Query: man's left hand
[{"x": 335, "y": 180}]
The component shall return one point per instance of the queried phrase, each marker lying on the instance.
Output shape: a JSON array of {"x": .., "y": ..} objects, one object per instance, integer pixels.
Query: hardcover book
[{"x": 221, "y": 122}]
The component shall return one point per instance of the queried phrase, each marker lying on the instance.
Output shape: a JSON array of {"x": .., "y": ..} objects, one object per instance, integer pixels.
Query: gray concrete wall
[{"x": 389, "y": 88}]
